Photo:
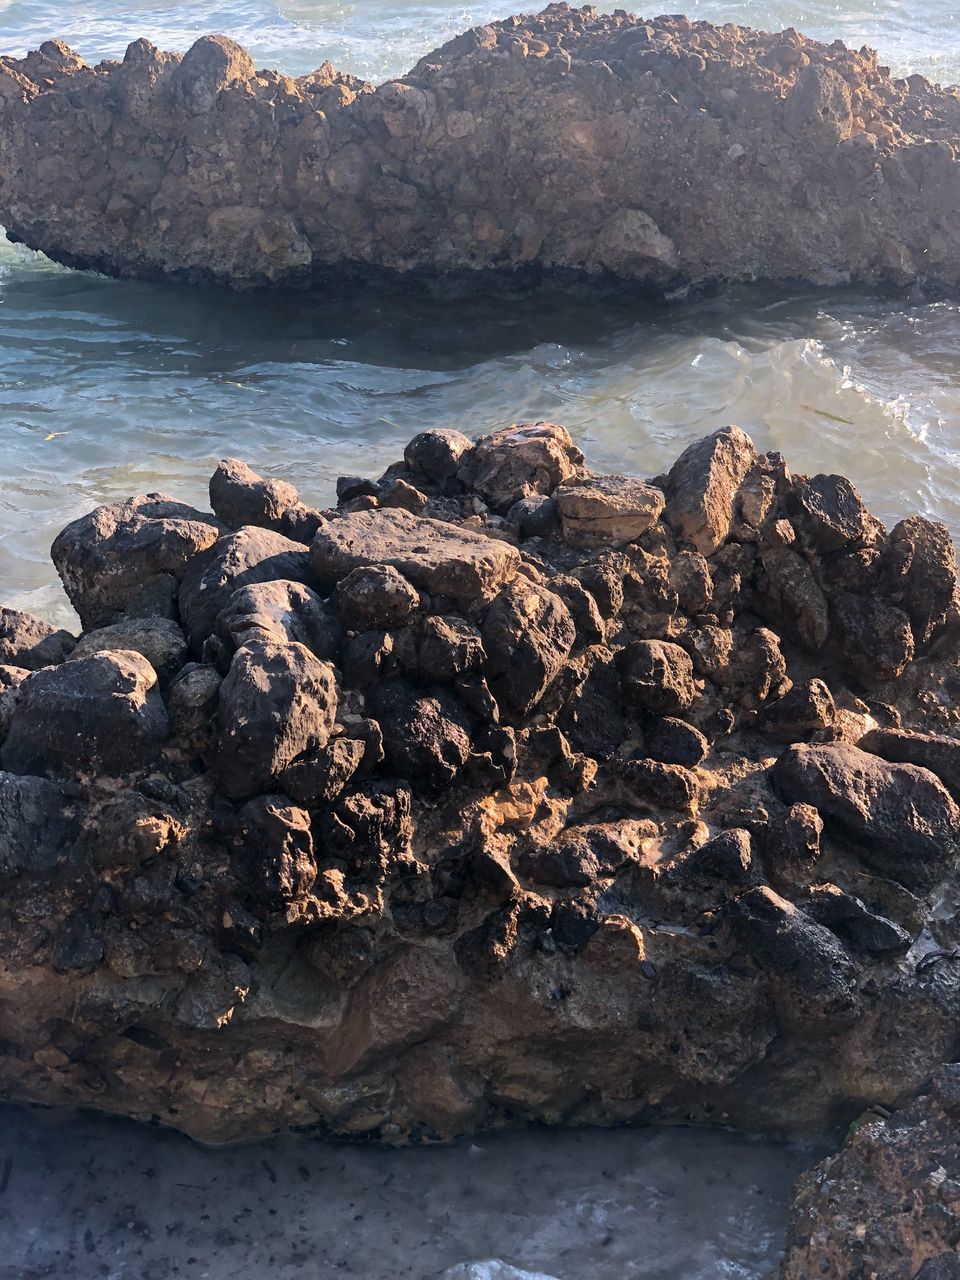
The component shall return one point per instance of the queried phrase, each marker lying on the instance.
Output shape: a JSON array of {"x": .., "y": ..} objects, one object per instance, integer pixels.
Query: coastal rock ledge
[
  {"x": 663, "y": 152},
  {"x": 503, "y": 791}
]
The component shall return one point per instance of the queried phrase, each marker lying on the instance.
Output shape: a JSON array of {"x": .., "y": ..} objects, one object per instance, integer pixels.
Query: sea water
[{"x": 111, "y": 388}]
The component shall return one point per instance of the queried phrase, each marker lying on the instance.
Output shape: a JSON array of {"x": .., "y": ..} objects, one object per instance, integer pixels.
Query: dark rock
[
  {"x": 437, "y": 558},
  {"x": 240, "y": 497},
  {"x": 702, "y": 486},
  {"x": 276, "y": 703},
  {"x": 792, "y": 845},
  {"x": 852, "y": 921},
  {"x": 192, "y": 698},
  {"x": 660, "y": 786},
  {"x": 592, "y": 714},
  {"x": 675, "y": 742},
  {"x": 250, "y": 555},
  {"x": 658, "y": 677},
  {"x": 350, "y": 487},
  {"x": 875, "y": 637},
  {"x": 437, "y": 453},
  {"x": 906, "y": 823},
  {"x": 26, "y": 641},
  {"x": 321, "y": 777},
  {"x": 832, "y": 511},
  {"x": 281, "y": 612},
  {"x": 939, "y": 754},
  {"x": 806, "y": 709},
  {"x": 920, "y": 572},
  {"x": 107, "y": 558},
  {"x": 527, "y": 634},
  {"x": 100, "y": 714},
  {"x": 35, "y": 830},
  {"x": 159, "y": 640},
  {"x": 583, "y": 609},
  {"x": 790, "y": 597},
  {"x": 691, "y": 579},
  {"x": 377, "y": 655},
  {"x": 376, "y": 597},
  {"x": 449, "y": 647},
  {"x": 426, "y": 737},
  {"x": 535, "y": 517},
  {"x": 570, "y": 865},
  {"x": 275, "y": 846}
]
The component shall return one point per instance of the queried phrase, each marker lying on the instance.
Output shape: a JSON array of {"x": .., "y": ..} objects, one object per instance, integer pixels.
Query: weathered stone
[
  {"x": 907, "y": 824},
  {"x": 791, "y": 598},
  {"x": 375, "y": 597},
  {"x": 920, "y": 570},
  {"x": 35, "y": 829},
  {"x": 807, "y": 708},
  {"x": 107, "y": 558},
  {"x": 658, "y": 677},
  {"x": 520, "y": 461},
  {"x": 160, "y": 641},
  {"x": 192, "y": 698},
  {"x": 939, "y": 754},
  {"x": 527, "y": 635},
  {"x": 851, "y": 920},
  {"x": 832, "y": 511},
  {"x": 792, "y": 845},
  {"x": 607, "y": 511},
  {"x": 239, "y": 496},
  {"x": 436, "y": 557},
  {"x": 101, "y": 713},
  {"x": 437, "y": 453},
  {"x": 240, "y": 559},
  {"x": 276, "y": 703},
  {"x": 282, "y": 612},
  {"x": 26, "y": 641},
  {"x": 398, "y": 492},
  {"x": 875, "y": 637},
  {"x": 275, "y": 843},
  {"x": 702, "y": 486},
  {"x": 449, "y": 646},
  {"x": 321, "y": 776},
  {"x": 675, "y": 742},
  {"x": 426, "y": 737}
]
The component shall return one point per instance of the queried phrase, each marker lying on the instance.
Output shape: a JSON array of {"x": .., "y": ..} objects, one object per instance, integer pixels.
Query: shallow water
[{"x": 105, "y": 1198}]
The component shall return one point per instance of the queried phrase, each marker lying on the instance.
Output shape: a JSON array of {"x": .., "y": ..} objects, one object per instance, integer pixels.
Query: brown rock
[
  {"x": 702, "y": 486},
  {"x": 607, "y": 511},
  {"x": 520, "y": 461}
]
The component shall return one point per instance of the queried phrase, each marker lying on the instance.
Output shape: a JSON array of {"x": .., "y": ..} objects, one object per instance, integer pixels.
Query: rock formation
[
  {"x": 888, "y": 1204},
  {"x": 663, "y": 152},
  {"x": 504, "y": 790}
]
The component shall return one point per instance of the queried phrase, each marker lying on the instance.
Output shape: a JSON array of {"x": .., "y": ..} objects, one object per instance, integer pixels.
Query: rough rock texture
[
  {"x": 888, "y": 1204},
  {"x": 442, "y": 822},
  {"x": 664, "y": 152}
]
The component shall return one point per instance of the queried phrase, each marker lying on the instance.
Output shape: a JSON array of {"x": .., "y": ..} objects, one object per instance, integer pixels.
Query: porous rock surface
[
  {"x": 888, "y": 1204},
  {"x": 665, "y": 152},
  {"x": 566, "y": 797}
]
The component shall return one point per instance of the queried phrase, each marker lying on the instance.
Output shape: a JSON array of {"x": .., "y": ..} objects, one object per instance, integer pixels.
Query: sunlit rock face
[
  {"x": 663, "y": 152},
  {"x": 503, "y": 790}
]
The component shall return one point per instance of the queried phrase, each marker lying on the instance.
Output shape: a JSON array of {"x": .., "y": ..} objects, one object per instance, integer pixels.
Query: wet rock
[
  {"x": 437, "y": 558},
  {"x": 702, "y": 486},
  {"x": 658, "y": 677},
  {"x": 426, "y": 737},
  {"x": 806, "y": 709},
  {"x": 35, "y": 830},
  {"x": 240, "y": 559},
  {"x": 607, "y": 511},
  {"x": 375, "y": 597},
  {"x": 282, "y": 612},
  {"x": 675, "y": 742},
  {"x": 239, "y": 497},
  {"x": 906, "y": 822},
  {"x": 437, "y": 453},
  {"x": 99, "y": 714},
  {"x": 520, "y": 461},
  {"x": 26, "y": 641},
  {"x": 939, "y": 754},
  {"x": 875, "y": 637},
  {"x": 276, "y": 703},
  {"x": 159, "y": 640},
  {"x": 108, "y": 558},
  {"x": 527, "y": 635}
]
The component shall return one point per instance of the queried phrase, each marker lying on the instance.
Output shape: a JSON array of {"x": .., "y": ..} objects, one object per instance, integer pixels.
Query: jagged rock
[
  {"x": 658, "y": 677},
  {"x": 240, "y": 559},
  {"x": 277, "y": 702},
  {"x": 425, "y": 737},
  {"x": 375, "y": 597},
  {"x": 792, "y": 598},
  {"x": 110, "y": 557},
  {"x": 527, "y": 635},
  {"x": 282, "y": 612},
  {"x": 437, "y": 453},
  {"x": 792, "y": 846},
  {"x": 448, "y": 648},
  {"x": 607, "y": 511},
  {"x": 875, "y": 637},
  {"x": 100, "y": 714},
  {"x": 888, "y": 1203},
  {"x": 849, "y": 918},
  {"x": 192, "y": 698},
  {"x": 904, "y": 816},
  {"x": 275, "y": 843},
  {"x": 435, "y": 557},
  {"x": 29, "y": 642},
  {"x": 159, "y": 640},
  {"x": 239, "y": 496},
  {"x": 939, "y": 754},
  {"x": 920, "y": 569},
  {"x": 320, "y": 778},
  {"x": 675, "y": 742},
  {"x": 806, "y": 709},
  {"x": 520, "y": 461},
  {"x": 35, "y": 831},
  {"x": 726, "y": 115},
  {"x": 832, "y": 511},
  {"x": 702, "y": 486}
]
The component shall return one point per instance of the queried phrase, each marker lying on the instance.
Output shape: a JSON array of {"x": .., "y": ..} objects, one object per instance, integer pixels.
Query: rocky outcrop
[
  {"x": 888, "y": 1204},
  {"x": 448, "y": 813},
  {"x": 666, "y": 152}
]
